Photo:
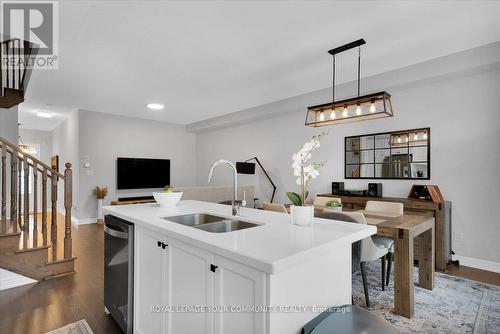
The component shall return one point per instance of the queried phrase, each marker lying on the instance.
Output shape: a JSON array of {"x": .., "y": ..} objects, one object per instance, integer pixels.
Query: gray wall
[
  {"x": 65, "y": 144},
  {"x": 9, "y": 130},
  {"x": 8, "y": 124},
  {"x": 105, "y": 137},
  {"x": 462, "y": 112}
]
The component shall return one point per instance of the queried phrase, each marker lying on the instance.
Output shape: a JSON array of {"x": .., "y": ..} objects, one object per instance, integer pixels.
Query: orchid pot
[{"x": 300, "y": 213}]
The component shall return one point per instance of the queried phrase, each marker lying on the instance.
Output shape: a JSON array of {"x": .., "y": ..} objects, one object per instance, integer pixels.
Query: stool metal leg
[
  {"x": 365, "y": 283},
  {"x": 382, "y": 259},
  {"x": 390, "y": 258}
]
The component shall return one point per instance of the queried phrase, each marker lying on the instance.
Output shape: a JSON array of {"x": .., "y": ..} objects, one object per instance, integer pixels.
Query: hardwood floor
[
  {"x": 48, "y": 305},
  {"x": 474, "y": 274}
]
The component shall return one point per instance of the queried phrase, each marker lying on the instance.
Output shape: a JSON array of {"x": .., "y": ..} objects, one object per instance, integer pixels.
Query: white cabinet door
[
  {"x": 238, "y": 286},
  {"x": 174, "y": 284},
  {"x": 149, "y": 276},
  {"x": 190, "y": 286}
]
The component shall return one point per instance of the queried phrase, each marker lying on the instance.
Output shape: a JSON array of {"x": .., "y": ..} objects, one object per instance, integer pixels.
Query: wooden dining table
[{"x": 404, "y": 229}]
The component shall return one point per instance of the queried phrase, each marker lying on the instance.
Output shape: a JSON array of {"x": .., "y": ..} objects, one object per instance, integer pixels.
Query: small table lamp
[{"x": 247, "y": 167}]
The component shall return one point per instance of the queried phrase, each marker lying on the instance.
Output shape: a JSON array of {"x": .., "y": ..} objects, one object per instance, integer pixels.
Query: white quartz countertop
[{"x": 274, "y": 246}]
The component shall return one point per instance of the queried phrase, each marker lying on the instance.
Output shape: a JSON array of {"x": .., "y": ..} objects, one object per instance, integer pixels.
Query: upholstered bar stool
[{"x": 348, "y": 319}]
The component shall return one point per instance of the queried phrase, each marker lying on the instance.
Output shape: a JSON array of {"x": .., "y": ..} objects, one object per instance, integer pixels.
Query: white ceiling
[
  {"x": 206, "y": 59},
  {"x": 29, "y": 120}
]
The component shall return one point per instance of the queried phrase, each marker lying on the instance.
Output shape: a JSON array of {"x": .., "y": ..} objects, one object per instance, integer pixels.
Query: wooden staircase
[
  {"x": 30, "y": 242},
  {"x": 16, "y": 62}
]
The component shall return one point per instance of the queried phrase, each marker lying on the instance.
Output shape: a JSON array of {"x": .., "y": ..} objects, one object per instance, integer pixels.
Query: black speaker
[
  {"x": 375, "y": 189},
  {"x": 337, "y": 187}
]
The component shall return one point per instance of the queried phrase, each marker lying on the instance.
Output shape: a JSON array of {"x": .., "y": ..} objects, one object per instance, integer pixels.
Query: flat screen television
[{"x": 136, "y": 173}]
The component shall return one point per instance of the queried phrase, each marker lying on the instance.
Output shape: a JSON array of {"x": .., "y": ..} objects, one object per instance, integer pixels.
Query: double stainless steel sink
[{"x": 211, "y": 223}]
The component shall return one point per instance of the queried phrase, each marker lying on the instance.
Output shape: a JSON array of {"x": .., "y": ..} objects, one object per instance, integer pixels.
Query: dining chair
[
  {"x": 356, "y": 246},
  {"x": 368, "y": 250},
  {"x": 389, "y": 207},
  {"x": 277, "y": 207},
  {"x": 322, "y": 200}
]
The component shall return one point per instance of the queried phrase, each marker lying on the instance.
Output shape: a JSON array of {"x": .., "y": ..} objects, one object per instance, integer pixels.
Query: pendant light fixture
[
  {"x": 360, "y": 108},
  {"x": 26, "y": 148}
]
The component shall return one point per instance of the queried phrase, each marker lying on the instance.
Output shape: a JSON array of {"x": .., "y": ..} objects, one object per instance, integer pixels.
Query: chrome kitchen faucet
[{"x": 235, "y": 203}]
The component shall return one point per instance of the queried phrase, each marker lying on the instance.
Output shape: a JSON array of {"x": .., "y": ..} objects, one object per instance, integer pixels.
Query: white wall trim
[
  {"x": 9, "y": 280},
  {"x": 84, "y": 221},
  {"x": 478, "y": 263}
]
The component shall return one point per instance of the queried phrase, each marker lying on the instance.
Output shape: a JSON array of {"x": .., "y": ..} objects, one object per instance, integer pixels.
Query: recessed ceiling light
[
  {"x": 155, "y": 106},
  {"x": 44, "y": 114}
]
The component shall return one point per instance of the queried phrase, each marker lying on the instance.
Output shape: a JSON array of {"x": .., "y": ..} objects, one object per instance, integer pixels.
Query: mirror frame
[{"x": 409, "y": 131}]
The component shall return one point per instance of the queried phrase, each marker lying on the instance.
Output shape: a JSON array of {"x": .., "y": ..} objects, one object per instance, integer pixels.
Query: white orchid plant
[{"x": 303, "y": 170}]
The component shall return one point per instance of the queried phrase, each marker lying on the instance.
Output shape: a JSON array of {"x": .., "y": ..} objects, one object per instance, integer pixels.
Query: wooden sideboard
[
  {"x": 132, "y": 201},
  {"x": 440, "y": 211}
]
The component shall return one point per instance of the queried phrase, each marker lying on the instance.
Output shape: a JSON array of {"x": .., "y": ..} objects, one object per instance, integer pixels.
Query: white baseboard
[
  {"x": 477, "y": 263},
  {"x": 83, "y": 221},
  {"x": 10, "y": 280}
]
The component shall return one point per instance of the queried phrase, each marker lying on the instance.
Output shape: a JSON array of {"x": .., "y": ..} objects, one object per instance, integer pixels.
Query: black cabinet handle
[
  {"x": 213, "y": 267},
  {"x": 159, "y": 243}
]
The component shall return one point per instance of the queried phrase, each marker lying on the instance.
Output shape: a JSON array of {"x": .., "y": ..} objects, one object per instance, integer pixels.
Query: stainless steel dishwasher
[{"x": 119, "y": 271}]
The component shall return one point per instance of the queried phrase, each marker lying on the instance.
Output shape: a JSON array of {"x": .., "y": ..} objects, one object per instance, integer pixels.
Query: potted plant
[
  {"x": 333, "y": 205},
  {"x": 300, "y": 213},
  {"x": 100, "y": 193}
]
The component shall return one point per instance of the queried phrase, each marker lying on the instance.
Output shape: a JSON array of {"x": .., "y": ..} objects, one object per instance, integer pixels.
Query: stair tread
[
  {"x": 60, "y": 261},
  {"x": 32, "y": 249},
  {"x": 28, "y": 241},
  {"x": 10, "y": 234},
  {"x": 73, "y": 272}
]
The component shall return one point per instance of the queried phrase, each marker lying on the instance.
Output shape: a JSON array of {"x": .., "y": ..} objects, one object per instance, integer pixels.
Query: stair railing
[
  {"x": 16, "y": 64},
  {"x": 24, "y": 173}
]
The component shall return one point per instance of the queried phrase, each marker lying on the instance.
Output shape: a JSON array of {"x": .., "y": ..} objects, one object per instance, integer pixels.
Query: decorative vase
[
  {"x": 100, "y": 218},
  {"x": 302, "y": 215}
]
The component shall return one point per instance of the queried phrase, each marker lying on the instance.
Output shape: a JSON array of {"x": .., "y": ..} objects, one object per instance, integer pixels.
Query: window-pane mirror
[{"x": 390, "y": 155}]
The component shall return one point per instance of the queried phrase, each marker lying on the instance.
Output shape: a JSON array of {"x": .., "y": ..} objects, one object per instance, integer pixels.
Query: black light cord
[
  {"x": 333, "y": 78},
  {"x": 359, "y": 69}
]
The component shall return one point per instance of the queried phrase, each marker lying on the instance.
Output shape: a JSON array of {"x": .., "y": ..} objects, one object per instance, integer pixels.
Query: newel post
[{"x": 68, "y": 203}]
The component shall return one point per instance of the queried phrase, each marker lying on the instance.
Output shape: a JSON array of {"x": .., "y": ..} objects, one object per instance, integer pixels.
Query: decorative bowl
[
  {"x": 167, "y": 200},
  {"x": 332, "y": 209}
]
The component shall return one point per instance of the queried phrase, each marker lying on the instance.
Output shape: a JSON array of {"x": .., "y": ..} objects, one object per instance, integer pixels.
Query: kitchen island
[{"x": 272, "y": 277}]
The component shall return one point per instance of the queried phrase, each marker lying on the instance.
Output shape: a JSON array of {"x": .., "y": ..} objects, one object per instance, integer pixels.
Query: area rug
[
  {"x": 79, "y": 327},
  {"x": 455, "y": 305}
]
